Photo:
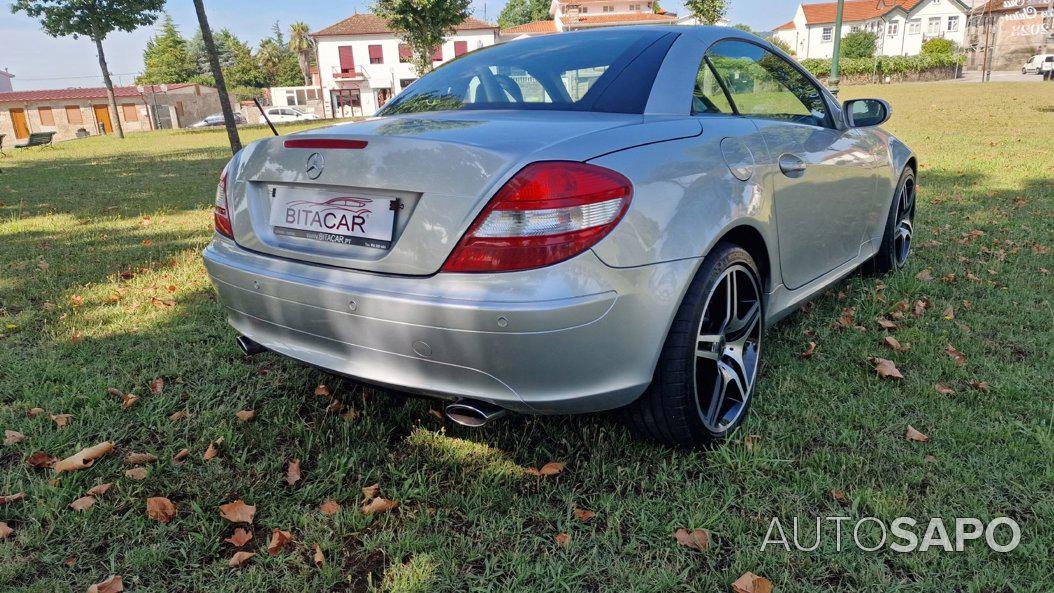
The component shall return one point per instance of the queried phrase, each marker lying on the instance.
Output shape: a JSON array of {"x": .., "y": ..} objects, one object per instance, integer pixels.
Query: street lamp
[{"x": 832, "y": 82}]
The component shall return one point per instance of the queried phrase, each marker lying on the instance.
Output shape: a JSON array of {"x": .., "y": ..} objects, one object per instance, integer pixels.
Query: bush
[
  {"x": 939, "y": 46},
  {"x": 859, "y": 44},
  {"x": 783, "y": 45},
  {"x": 883, "y": 65}
]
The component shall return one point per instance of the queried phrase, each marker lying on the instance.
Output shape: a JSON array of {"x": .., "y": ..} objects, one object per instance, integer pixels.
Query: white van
[
  {"x": 1038, "y": 64},
  {"x": 286, "y": 114}
]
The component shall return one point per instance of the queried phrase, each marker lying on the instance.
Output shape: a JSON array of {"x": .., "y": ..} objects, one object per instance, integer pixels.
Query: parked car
[
  {"x": 216, "y": 119},
  {"x": 1038, "y": 64},
  {"x": 286, "y": 114},
  {"x": 597, "y": 220}
]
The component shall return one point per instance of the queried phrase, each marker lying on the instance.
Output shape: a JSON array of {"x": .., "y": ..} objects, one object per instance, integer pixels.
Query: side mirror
[{"x": 866, "y": 113}]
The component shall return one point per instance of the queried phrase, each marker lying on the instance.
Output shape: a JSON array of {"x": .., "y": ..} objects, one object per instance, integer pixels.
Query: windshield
[{"x": 559, "y": 72}]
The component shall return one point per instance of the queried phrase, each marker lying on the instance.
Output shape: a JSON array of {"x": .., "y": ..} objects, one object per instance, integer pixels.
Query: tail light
[
  {"x": 221, "y": 215},
  {"x": 548, "y": 212}
]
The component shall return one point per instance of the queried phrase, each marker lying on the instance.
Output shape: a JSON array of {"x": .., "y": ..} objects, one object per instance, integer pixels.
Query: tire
[
  {"x": 710, "y": 352},
  {"x": 895, "y": 249}
]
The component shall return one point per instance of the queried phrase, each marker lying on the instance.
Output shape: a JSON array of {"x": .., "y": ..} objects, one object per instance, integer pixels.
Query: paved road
[{"x": 1001, "y": 76}]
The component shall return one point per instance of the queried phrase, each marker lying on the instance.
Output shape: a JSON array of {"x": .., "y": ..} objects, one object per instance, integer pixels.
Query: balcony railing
[{"x": 356, "y": 74}]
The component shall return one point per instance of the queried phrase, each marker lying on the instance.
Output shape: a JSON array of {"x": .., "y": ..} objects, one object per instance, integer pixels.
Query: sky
[{"x": 42, "y": 62}]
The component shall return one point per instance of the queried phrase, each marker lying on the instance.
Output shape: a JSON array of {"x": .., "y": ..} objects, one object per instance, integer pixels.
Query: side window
[
  {"x": 765, "y": 85},
  {"x": 708, "y": 96}
]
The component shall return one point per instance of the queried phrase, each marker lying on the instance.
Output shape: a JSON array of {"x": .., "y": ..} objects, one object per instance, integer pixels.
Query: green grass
[{"x": 101, "y": 285}]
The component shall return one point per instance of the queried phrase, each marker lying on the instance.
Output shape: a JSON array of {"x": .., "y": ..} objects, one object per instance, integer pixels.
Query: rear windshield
[{"x": 559, "y": 72}]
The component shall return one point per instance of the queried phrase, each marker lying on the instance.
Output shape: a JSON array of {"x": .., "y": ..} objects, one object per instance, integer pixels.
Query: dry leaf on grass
[
  {"x": 752, "y": 583},
  {"x": 925, "y": 275},
  {"x": 237, "y": 512},
  {"x": 240, "y": 537},
  {"x": 83, "y": 503},
  {"x": 240, "y": 558},
  {"x": 110, "y": 585},
  {"x": 838, "y": 495},
  {"x": 128, "y": 401},
  {"x": 213, "y": 450},
  {"x": 10, "y": 498},
  {"x": 697, "y": 539},
  {"x": 886, "y": 369},
  {"x": 751, "y": 440},
  {"x": 329, "y": 508},
  {"x": 34, "y": 412},
  {"x": 919, "y": 309},
  {"x": 914, "y": 435},
  {"x": 562, "y": 539},
  {"x": 949, "y": 312},
  {"x": 61, "y": 419},
  {"x": 100, "y": 489},
  {"x": 40, "y": 459},
  {"x": 157, "y": 386},
  {"x": 179, "y": 457},
  {"x": 809, "y": 350},
  {"x": 179, "y": 415},
  {"x": 943, "y": 390},
  {"x": 13, "y": 436},
  {"x": 137, "y": 473},
  {"x": 84, "y": 458},
  {"x": 140, "y": 458},
  {"x": 958, "y": 357},
  {"x": 160, "y": 509},
  {"x": 292, "y": 472},
  {"x": 549, "y": 469},
  {"x": 279, "y": 539},
  {"x": 886, "y": 324},
  {"x": 895, "y": 344},
  {"x": 322, "y": 390},
  {"x": 318, "y": 557},
  {"x": 979, "y": 385},
  {"x": 245, "y": 415},
  {"x": 378, "y": 505},
  {"x": 371, "y": 491},
  {"x": 5, "y": 530},
  {"x": 583, "y": 515}
]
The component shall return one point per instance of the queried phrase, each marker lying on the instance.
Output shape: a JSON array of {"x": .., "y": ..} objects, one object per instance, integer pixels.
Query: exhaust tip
[
  {"x": 473, "y": 413},
  {"x": 249, "y": 346}
]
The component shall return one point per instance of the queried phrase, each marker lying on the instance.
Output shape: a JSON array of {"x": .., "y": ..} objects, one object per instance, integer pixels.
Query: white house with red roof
[
  {"x": 901, "y": 26},
  {"x": 362, "y": 63},
  {"x": 573, "y": 15}
]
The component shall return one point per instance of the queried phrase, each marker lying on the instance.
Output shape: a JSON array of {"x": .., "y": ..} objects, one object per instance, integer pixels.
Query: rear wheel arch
[{"x": 751, "y": 240}]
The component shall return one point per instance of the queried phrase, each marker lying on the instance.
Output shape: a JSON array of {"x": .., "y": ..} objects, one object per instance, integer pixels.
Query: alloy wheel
[
  {"x": 728, "y": 347},
  {"x": 905, "y": 222}
]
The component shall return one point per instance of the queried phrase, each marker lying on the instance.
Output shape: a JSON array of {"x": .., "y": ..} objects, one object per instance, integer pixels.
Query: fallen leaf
[
  {"x": 847, "y": 319},
  {"x": 137, "y": 473},
  {"x": 8, "y": 499},
  {"x": 751, "y": 440},
  {"x": 237, "y": 512},
  {"x": 958, "y": 357},
  {"x": 100, "y": 489},
  {"x": 322, "y": 390},
  {"x": 140, "y": 458},
  {"x": 292, "y": 472},
  {"x": 279, "y": 539},
  {"x": 949, "y": 312},
  {"x": 930, "y": 459},
  {"x": 61, "y": 419},
  {"x": 809, "y": 350},
  {"x": 240, "y": 558},
  {"x": 334, "y": 406},
  {"x": 838, "y": 495},
  {"x": 84, "y": 458},
  {"x": 549, "y": 469},
  {"x": 128, "y": 401},
  {"x": 157, "y": 386},
  {"x": 895, "y": 344},
  {"x": 179, "y": 457},
  {"x": 177, "y": 416},
  {"x": 245, "y": 415},
  {"x": 351, "y": 414},
  {"x": 752, "y": 583},
  {"x": 5, "y": 530},
  {"x": 34, "y": 412},
  {"x": 211, "y": 452},
  {"x": 979, "y": 385},
  {"x": 329, "y": 508},
  {"x": 925, "y": 275},
  {"x": 914, "y": 435},
  {"x": 13, "y": 436},
  {"x": 919, "y": 309},
  {"x": 562, "y": 539},
  {"x": 697, "y": 539},
  {"x": 371, "y": 491},
  {"x": 378, "y": 505},
  {"x": 160, "y": 509},
  {"x": 240, "y": 537},
  {"x": 40, "y": 459},
  {"x": 83, "y": 503},
  {"x": 318, "y": 557},
  {"x": 886, "y": 369},
  {"x": 583, "y": 515},
  {"x": 110, "y": 585}
]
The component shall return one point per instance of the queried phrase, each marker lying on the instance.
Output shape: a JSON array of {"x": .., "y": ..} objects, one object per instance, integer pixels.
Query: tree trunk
[
  {"x": 114, "y": 115},
  {"x": 305, "y": 68},
  {"x": 217, "y": 74}
]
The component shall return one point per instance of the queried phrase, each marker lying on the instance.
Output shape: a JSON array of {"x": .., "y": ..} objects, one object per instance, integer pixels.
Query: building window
[
  {"x": 437, "y": 55},
  {"x": 584, "y": 9},
  {"x": 933, "y": 26},
  {"x": 608, "y": 8},
  {"x": 460, "y": 48},
  {"x": 347, "y": 59},
  {"x": 827, "y": 34},
  {"x": 893, "y": 28},
  {"x": 953, "y": 24},
  {"x": 914, "y": 26},
  {"x": 130, "y": 113},
  {"x": 854, "y": 28},
  {"x": 73, "y": 114},
  {"x": 376, "y": 54},
  {"x": 406, "y": 55},
  {"x": 47, "y": 118}
]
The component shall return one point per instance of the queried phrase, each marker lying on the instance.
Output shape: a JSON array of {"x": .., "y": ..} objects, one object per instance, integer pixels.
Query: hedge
[{"x": 886, "y": 65}]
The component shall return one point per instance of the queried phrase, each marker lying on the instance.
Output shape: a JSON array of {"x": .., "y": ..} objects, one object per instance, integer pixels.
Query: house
[
  {"x": 362, "y": 63},
  {"x": 5, "y": 81},
  {"x": 1009, "y": 32},
  {"x": 68, "y": 112},
  {"x": 573, "y": 15},
  {"x": 307, "y": 98},
  {"x": 901, "y": 26}
]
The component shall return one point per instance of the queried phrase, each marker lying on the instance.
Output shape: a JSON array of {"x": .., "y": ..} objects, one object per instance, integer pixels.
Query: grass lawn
[{"x": 102, "y": 286}]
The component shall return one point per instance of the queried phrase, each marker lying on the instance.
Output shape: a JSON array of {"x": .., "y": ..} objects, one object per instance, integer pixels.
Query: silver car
[{"x": 571, "y": 223}]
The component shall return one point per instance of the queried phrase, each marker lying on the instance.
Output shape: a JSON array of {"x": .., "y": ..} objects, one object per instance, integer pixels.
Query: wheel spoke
[
  {"x": 708, "y": 346},
  {"x": 747, "y": 321},
  {"x": 733, "y": 363}
]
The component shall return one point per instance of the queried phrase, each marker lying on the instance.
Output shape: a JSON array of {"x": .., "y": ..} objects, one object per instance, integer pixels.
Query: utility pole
[{"x": 833, "y": 81}]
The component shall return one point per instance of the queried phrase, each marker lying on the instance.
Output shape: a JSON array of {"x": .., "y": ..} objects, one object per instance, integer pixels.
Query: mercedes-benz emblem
[{"x": 315, "y": 164}]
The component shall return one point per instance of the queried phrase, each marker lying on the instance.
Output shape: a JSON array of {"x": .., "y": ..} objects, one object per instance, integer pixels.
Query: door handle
[{"x": 792, "y": 166}]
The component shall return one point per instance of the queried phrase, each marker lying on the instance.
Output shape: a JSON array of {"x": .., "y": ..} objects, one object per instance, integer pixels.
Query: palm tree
[
  {"x": 301, "y": 43},
  {"x": 269, "y": 56}
]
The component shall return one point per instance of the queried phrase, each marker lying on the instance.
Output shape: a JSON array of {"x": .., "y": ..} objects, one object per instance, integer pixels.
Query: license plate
[{"x": 335, "y": 218}]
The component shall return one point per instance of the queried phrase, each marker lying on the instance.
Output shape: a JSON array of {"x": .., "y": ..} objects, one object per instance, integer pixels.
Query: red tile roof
[
  {"x": 371, "y": 24},
  {"x": 81, "y": 93},
  {"x": 634, "y": 17},
  {"x": 855, "y": 10},
  {"x": 785, "y": 26},
  {"x": 531, "y": 27}
]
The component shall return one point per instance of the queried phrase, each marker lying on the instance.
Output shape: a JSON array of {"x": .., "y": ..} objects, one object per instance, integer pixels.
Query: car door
[{"x": 822, "y": 178}]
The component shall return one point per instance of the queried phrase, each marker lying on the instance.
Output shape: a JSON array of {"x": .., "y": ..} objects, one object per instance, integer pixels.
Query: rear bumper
[{"x": 575, "y": 337}]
